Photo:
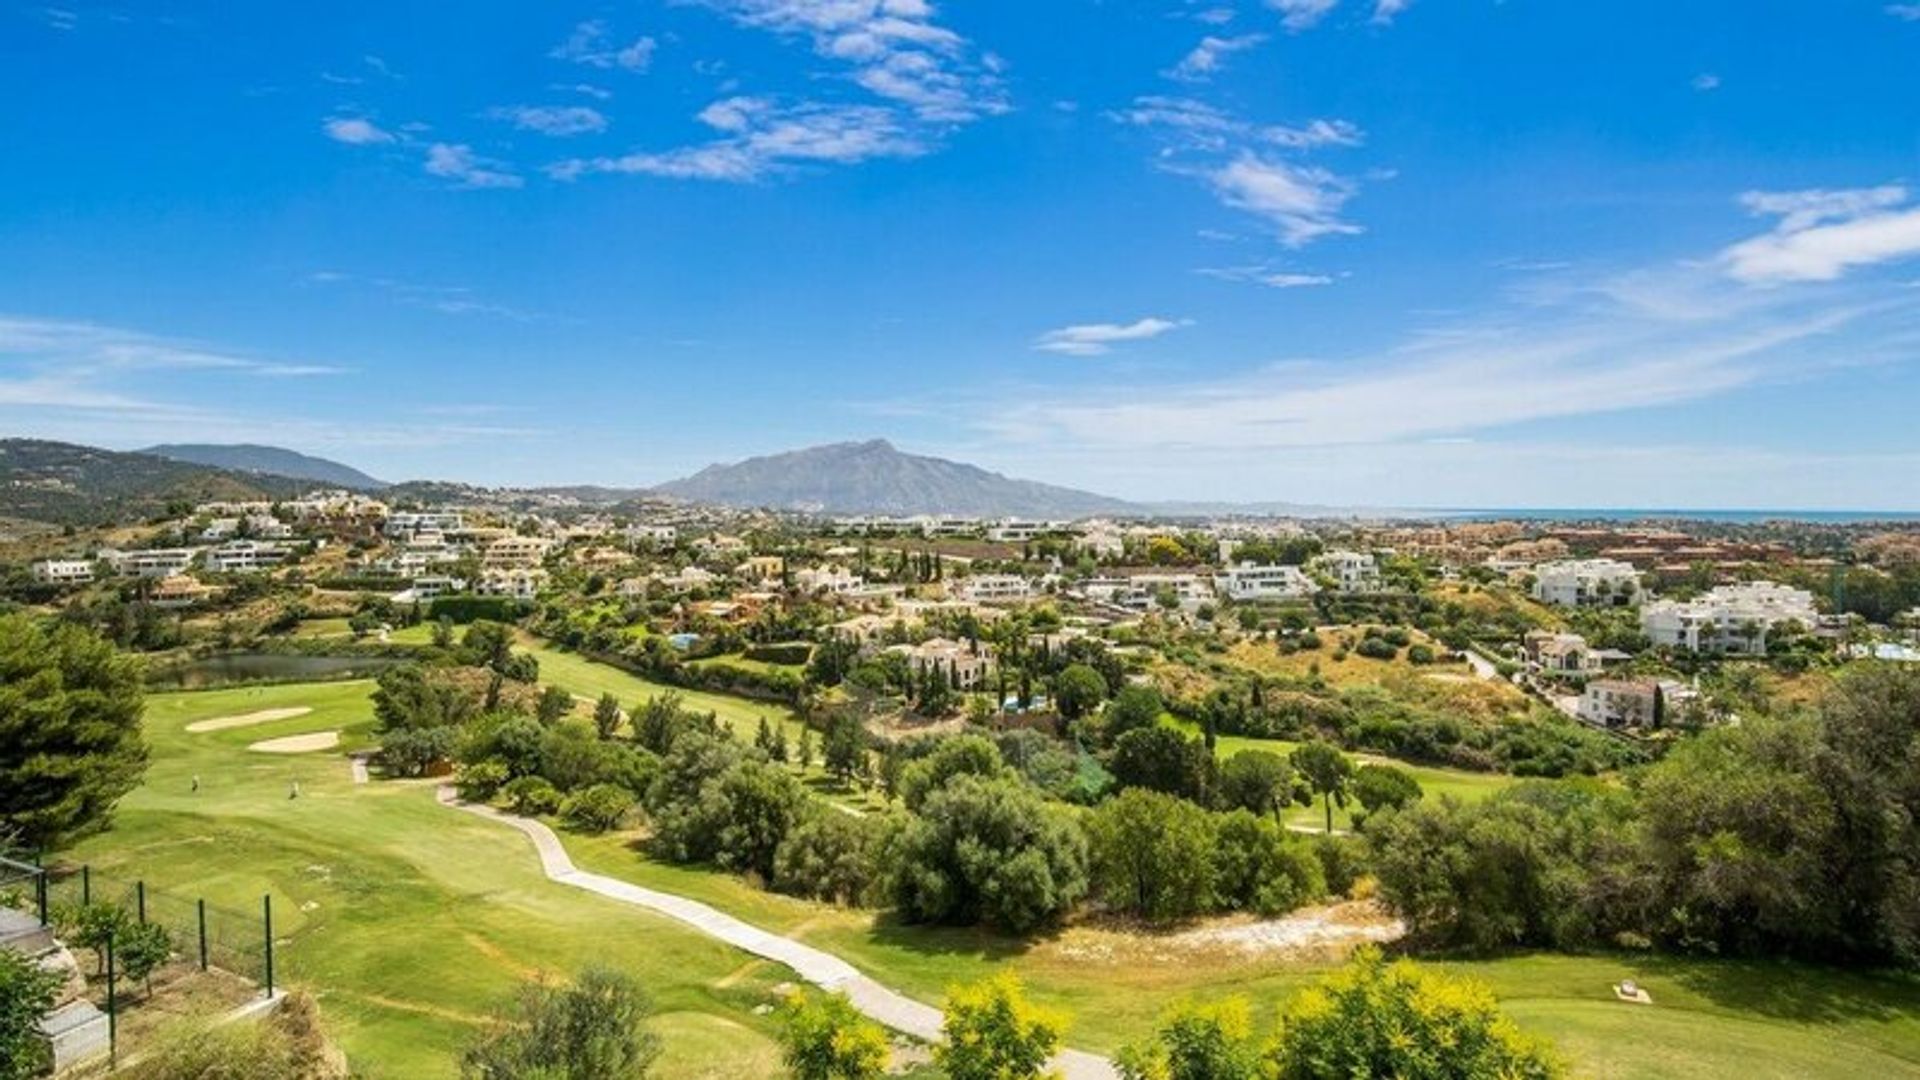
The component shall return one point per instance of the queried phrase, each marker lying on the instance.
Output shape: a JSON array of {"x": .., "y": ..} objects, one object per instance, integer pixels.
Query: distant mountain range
[
  {"x": 64, "y": 484},
  {"x": 270, "y": 460},
  {"x": 875, "y": 478}
]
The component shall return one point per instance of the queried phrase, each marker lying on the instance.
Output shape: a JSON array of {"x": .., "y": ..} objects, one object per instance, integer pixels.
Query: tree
[
  {"x": 1151, "y": 855},
  {"x": 1078, "y": 690},
  {"x": 26, "y": 995},
  {"x": 70, "y": 743},
  {"x": 961, "y": 755},
  {"x": 828, "y": 856},
  {"x": 487, "y": 644},
  {"x": 1196, "y": 1042},
  {"x": 530, "y": 795},
  {"x": 844, "y": 749},
  {"x": 1378, "y": 1019},
  {"x": 1164, "y": 759},
  {"x": 756, "y": 806},
  {"x": 1132, "y": 708},
  {"x": 139, "y": 949},
  {"x": 1258, "y": 867},
  {"x": 555, "y": 704},
  {"x": 410, "y": 698},
  {"x": 598, "y": 808},
  {"x": 1384, "y": 787},
  {"x": 823, "y": 1037},
  {"x": 1327, "y": 772},
  {"x": 1256, "y": 780},
  {"x": 593, "y": 1029},
  {"x": 607, "y": 715},
  {"x": 993, "y": 1033},
  {"x": 985, "y": 850}
]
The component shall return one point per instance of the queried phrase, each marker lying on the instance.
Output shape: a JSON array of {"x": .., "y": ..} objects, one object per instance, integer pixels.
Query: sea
[{"x": 1616, "y": 514}]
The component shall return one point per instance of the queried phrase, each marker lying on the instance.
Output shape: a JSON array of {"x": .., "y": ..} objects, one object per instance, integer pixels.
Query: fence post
[
  {"x": 40, "y": 894},
  {"x": 86, "y": 884},
  {"x": 203, "y": 933},
  {"x": 113, "y": 1009},
  {"x": 140, "y": 891},
  {"x": 266, "y": 905}
]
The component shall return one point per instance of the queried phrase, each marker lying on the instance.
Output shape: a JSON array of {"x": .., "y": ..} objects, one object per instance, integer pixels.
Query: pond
[{"x": 230, "y": 668}]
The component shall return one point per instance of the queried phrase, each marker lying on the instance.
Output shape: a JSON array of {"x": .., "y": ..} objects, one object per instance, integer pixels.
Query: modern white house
[
  {"x": 244, "y": 557},
  {"x": 1586, "y": 583},
  {"x": 1730, "y": 619},
  {"x": 1351, "y": 571},
  {"x": 153, "y": 563},
  {"x": 1017, "y": 530},
  {"x": 991, "y": 589},
  {"x": 1249, "y": 581},
  {"x": 828, "y": 579},
  {"x": 63, "y": 572},
  {"x": 518, "y": 583},
  {"x": 406, "y": 525},
  {"x": 641, "y": 534},
  {"x": 517, "y": 552}
]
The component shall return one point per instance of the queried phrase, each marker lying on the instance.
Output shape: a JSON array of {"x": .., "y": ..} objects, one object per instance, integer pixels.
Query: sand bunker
[
  {"x": 298, "y": 744},
  {"x": 264, "y": 716}
]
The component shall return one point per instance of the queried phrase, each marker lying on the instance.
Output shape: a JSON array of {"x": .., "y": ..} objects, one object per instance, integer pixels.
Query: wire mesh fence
[{"x": 201, "y": 933}]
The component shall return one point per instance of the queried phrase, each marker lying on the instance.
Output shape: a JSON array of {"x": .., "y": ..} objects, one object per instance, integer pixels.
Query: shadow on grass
[
  {"x": 969, "y": 942},
  {"x": 1785, "y": 990}
]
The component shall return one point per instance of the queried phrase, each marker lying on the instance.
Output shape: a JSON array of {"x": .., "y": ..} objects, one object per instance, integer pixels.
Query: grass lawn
[{"x": 409, "y": 920}]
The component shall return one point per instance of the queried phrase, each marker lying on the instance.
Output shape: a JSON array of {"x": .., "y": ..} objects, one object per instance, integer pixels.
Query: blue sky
[{"x": 1438, "y": 252}]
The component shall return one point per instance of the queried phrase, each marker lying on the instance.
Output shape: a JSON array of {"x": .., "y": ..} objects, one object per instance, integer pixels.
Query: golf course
[{"x": 410, "y": 921}]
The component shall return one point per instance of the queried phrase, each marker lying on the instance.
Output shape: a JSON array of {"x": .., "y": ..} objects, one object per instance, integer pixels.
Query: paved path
[
  {"x": 359, "y": 764},
  {"x": 824, "y": 970}
]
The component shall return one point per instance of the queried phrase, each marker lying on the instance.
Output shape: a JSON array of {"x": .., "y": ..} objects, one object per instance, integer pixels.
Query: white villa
[
  {"x": 409, "y": 526},
  {"x": 1586, "y": 583},
  {"x": 518, "y": 583},
  {"x": 1641, "y": 703},
  {"x": 966, "y": 665},
  {"x": 63, "y": 572},
  {"x": 1249, "y": 581},
  {"x": 244, "y": 556},
  {"x": 156, "y": 563},
  {"x": 991, "y": 588},
  {"x": 1562, "y": 654},
  {"x": 1732, "y": 619},
  {"x": 1351, "y": 571}
]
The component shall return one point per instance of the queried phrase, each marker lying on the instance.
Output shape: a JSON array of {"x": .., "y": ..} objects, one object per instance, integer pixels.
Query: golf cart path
[{"x": 888, "y": 1007}]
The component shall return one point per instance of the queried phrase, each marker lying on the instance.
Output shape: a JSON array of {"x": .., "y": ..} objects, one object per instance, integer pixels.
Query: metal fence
[{"x": 204, "y": 934}]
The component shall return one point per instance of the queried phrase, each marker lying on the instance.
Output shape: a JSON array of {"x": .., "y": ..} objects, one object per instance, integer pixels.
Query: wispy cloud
[
  {"x": 1302, "y": 202},
  {"x": 1264, "y": 275},
  {"x": 88, "y": 355},
  {"x": 1908, "y": 12},
  {"x": 1097, "y": 339},
  {"x": 59, "y": 18},
  {"x": 1298, "y": 15},
  {"x": 761, "y": 136},
  {"x": 592, "y": 44},
  {"x": 1706, "y": 81},
  {"x": 1207, "y": 57},
  {"x": 458, "y": 163},
  {"x": 1385, "y": 11},
  {"x": 444, "y": 299},
  {"x": 558, "y": 121},
  {"x": 1823, "y": 233},
  {"x": 355, "y": 131}
]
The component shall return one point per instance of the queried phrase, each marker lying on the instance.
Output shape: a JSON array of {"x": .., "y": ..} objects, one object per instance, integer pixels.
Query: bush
[
  {"x": 26, "y": 993},
  {"x": 829, "y": 856},
  {"x": 992, "y": 1033},
  {"x": 1258, "y": 867},
  {"x": 825, "y": 1038},
  {"x": 787, "y": 653},
  {"x": 479, "y": 781},
  {"x": 988, "y": 851},
  {"x": 1420, "y": 654},
  {"x": 598, "y": 808},
  {"x": 1375, "y": 648},
  {"x": 413, "y": 752},
  {"x": 531, "y": 796},
  {"x": 597, "y": 1028},
  {"x": 1343, "y": 859},
  {"x": 1151, "y": 855}
]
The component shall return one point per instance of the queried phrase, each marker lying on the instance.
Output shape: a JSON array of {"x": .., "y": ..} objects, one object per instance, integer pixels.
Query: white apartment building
[
  {"x": 407, "y": 525},
  {"x": 156, "y": 563},
  {"x": 1586, "y": 583},
  {"x": 1017, "y": 531},
  {"x": 1730, "y": 619},
  {"x": 1250, "y": 581},
  {"x": 948, "y": 525},
  {"x": 63, "y": 572},
  {"x": 244, "y": 557},
  {"x": 1102, "y": 540},
  {"x": 643, "y": 535},
  {"x": 828, "y": 579},
  {"x": 1351, "y": 571},
  {"x": 1142, "y": 592},
  {"x": 991, "y": 589}
]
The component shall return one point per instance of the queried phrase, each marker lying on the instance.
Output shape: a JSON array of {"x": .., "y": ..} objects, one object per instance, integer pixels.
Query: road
[{"x": 829, "y": 972}]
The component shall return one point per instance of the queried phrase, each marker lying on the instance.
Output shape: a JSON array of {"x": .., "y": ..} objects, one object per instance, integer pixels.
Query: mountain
[
  {"x": 874, "y": 478},
  {"x": 65, "y": 484},
  {"x": 271, "y": 460}
]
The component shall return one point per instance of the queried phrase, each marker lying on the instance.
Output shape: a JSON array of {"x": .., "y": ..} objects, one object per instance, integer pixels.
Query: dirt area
[
  {"x": 298, "y": 744},
  {"x": 264, "y": 716},
  {"x": 1316, "y": 933}
]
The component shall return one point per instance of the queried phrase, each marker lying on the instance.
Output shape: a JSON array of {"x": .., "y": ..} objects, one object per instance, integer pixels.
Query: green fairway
[
  {"x": 587, "y": 678},
  {"x": 409, "y": 920}
]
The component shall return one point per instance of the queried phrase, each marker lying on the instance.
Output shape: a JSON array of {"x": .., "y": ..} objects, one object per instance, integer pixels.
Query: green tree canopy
[{"x": 592, "y": 1029}]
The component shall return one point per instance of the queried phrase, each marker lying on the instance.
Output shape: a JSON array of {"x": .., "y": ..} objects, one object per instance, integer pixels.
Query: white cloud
[
  {"x": 761, "y": 137},
  {"x": 1206, "y": 57},
  {"x": 1303, "y": 202},
  {"x": 1706, "y": 81},
  {"x": 559, "y": 121},
  {"x": 457, "y": 162},
  {"x": 59, "y": 18},
  {"x": 597, "y": 93},
  {"x": 74, "y": 353},
  {"x": 592, "y": 45},
  {"x": 355, "y": 131},
  {"x": 1297, "y": 15},
  {"x": 1908, "y": 12},
  {"x": 1385, "y": 11},
  {"x": 1271, "y": 278},
  {"x": 1824, "y": 233},
  {"x": 1315, "y": 134},
  {"x": 1096, "y": 339}
]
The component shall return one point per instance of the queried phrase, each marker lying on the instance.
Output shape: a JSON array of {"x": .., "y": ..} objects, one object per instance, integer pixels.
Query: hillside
[
  {"x": 64, "y": 484},
  {"x": 874, "y": 478},
  {"x": 271, "y": 460}
]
